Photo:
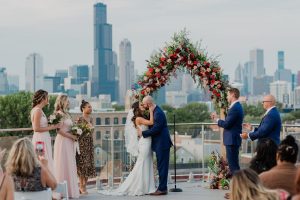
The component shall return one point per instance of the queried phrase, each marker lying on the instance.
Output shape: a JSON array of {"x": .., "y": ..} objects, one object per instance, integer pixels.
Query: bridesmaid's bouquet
[
  {"x": 55, "y": 118},
  {"x": 86, "y": 127},
  {"x": 76, "y": 130}
]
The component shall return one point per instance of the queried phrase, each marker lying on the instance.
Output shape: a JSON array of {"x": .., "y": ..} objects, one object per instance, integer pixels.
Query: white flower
[
  {"x": 52, "y": 117},
  {"x": 169, "y": 60},
  {"x": 145, "y": 78},
  {"x": 79, "y": 131},
  {"x": 157, "y": 70}
]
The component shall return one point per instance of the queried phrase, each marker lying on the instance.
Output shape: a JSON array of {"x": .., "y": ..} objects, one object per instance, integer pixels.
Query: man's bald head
[
  {"x": 148, "y": 100},
  {"x": 269, "y": 101}
]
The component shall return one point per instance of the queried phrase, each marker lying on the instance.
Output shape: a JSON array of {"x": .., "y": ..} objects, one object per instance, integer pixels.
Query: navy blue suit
[
  {"x": 231, "y": 136},
  {"x": 161, "y": 143},
  {"x": 269, "y": 127}
]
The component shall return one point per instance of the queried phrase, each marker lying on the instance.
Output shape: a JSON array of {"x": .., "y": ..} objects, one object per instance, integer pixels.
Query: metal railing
[{"x": 194, "y": 143}]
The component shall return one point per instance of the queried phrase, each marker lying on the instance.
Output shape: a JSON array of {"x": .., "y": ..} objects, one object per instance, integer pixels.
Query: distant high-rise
[
  {"x": 238, "y": 74},
  {"x": 248, "y": 77},
  {"x": 52, "y": 84},
  {"x": 103, "y": 77},
  {"x": 281, "y": 91},
  {"x": 280, "y": 60},
  {"x": 13, "y": 83},
  {"x": 283, "y": 75},
  {"x": 261, "y": 85},
  {"x": 3, "y": 81},
  {"x": 298, "y": 78},
  {"x": 62, "y": 74},
  {"x": 126, "y": 70},
  {"x": 34, "y": 72},
  {"x": 257, "y": 58},
  {"x": 79, "y": 74}
]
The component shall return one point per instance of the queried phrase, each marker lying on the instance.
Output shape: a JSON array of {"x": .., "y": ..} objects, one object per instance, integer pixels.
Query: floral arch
[{"x": 181, "y": 55}]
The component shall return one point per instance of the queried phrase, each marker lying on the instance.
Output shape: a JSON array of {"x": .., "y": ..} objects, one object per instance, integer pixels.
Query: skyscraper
[
  {"x": 248, "y": 77},
  {"x": 34, "y": 72},
  {"x": 3, "y": 81},
  {"x": 103, "y": 77},
  {"x": 79, "y": 74},
  {"x": 298, "y": 78},
  {"x": 13, "y": 83},
  {"x": 281, "y": 91},
  {"x": 126, "y": 70},
  {"x": 238, "y": 74},
  {"x": 280, "y": 60},
  {"x": 257, "y": 58}
]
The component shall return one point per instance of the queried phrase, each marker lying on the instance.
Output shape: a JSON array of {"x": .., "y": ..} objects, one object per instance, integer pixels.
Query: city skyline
[{"x": 63, "y": 32}]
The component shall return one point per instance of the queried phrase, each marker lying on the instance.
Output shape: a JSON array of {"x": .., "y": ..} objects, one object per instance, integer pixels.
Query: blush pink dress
[
  {"x": 44, "y": 137},
  {"x": 64, "y": 159}
]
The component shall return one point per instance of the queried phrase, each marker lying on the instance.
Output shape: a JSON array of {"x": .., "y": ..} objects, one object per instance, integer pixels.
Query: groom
[{"x": 161, "y": 143}]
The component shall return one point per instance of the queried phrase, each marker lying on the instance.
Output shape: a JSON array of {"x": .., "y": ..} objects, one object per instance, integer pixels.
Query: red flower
[
  {"x": 151, "y": 70},
  {"x": 158, "y": 75},
  {"x": 162, "y": 59},
  {"x": 192, "y": 56},
  {"x": 173, "y": 56},
  {"x": 143, "y": 92},
  {"x": 207, "y": 64},
  {"x": 177, "y": 50},
  {"x": 212, "y": 77}
]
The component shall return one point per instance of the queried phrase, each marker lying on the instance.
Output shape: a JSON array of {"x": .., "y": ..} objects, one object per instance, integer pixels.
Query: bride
[{"x": 140, "y": 181}]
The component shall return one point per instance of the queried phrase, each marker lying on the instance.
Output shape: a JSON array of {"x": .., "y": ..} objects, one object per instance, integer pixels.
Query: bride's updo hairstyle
[{"x": 136, "y": 111}]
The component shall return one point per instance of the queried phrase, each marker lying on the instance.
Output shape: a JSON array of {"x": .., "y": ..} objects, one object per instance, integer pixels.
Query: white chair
[
  {"x": 45, "y": 195},
  {"x": 62, "y": 188}
]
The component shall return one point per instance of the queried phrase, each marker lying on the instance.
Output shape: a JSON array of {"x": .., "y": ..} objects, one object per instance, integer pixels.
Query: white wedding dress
[{"x": 140, "y": 181}]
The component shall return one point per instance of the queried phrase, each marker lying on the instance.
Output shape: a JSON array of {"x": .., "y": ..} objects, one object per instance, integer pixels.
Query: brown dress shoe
[
  {"x": 227, "y": 195},
  {"x": 157, "y": 192}
]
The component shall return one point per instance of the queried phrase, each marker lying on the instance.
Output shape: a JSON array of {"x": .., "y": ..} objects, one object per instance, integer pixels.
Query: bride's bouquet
[{"x": 54, "y": 119}]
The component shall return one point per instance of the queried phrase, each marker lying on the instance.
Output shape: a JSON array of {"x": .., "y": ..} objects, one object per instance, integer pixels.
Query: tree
[
  {"x": 118, "y": 107},
  {"x": 15, "y": 110},
  {"x": 193, "y": 112}
]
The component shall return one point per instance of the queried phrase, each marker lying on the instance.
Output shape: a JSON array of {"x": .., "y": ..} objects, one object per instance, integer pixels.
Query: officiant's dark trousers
[{"x": 163, "y": 158}]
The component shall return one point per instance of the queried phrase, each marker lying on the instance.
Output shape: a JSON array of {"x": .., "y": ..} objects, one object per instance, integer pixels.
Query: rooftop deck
[{"x": 191, "y": 191}]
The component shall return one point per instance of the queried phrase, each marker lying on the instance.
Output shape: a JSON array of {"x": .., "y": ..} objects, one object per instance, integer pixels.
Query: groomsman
[
  {"x": 232, "y": 128},
  {"x": 270, "y": 124}
]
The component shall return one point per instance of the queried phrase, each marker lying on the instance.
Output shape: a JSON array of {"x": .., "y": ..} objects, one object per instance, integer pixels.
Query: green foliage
[
  {"x": 118, "y": 107},
  {"x": 15, "y": 110},
  {"x": 193, "y": 112},
  {"x": 292, "y": 116}
]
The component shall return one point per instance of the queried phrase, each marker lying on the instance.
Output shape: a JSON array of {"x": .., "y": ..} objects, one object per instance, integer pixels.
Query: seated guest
[
  {"x": 297, "y": 196},
  {"x": 245, "y": 185},
  {"x": 265, "y": 156},
  {"x": 28, "y": 173},
  {"x": 283, "y": 175},
  {"x": 6, "y": 182}
]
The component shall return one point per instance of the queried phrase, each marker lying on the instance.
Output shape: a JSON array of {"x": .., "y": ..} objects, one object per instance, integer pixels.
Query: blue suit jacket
[
  {"x": 269, "y": 127},
  {"x": 159, "y": 131},
  {"x": 233, "y": 125}
]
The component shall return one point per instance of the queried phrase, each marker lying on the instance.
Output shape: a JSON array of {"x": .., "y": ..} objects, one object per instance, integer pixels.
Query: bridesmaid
[
  {"x": 64, "y": 152},
  {"x": 85, "y": 160},
  {"x": 40, "y": 125}
]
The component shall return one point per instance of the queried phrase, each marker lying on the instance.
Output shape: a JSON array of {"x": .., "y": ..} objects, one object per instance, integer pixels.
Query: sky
[{"x": 62, "y": 30}]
